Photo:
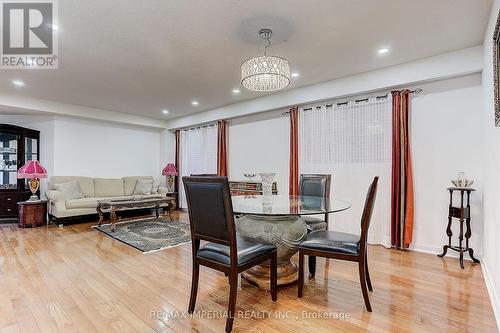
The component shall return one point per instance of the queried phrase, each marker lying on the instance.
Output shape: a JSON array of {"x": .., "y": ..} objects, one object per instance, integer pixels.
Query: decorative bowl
[{"x": 462, "y": 182}]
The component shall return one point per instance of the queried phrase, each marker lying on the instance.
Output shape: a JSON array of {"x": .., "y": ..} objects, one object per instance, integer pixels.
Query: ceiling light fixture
[
  {"x": 295, "y": 74},
  {"x": 165, "y": 111},
  {"x": 265, "y": 73},
  {"x": 236, "y": 91},
  {"x": 53, "y": 27},
  {"x": 195, "y": 103},
  {"x": 18, "y": 83},
  {"x": 383, "y": 50}
]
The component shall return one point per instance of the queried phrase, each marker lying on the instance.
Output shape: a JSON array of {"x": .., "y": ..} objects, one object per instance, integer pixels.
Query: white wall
[
  {"x": 89, "y": 148},
  {"x": 491, "y": 146},
  {"x": 260, "y": 146},
  {"x": 446, "y": 137}
]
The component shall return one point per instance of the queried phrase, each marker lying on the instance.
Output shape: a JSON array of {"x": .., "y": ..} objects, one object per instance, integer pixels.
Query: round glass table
[{"x": 277, "y": 219}]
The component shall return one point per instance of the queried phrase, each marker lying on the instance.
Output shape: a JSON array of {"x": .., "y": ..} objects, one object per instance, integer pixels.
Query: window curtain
[
  {"x": 293, "y": 183},
  {"x": 178, "y": 183},
  {"x": 352, "y": 142},
  {"x": 402, "y": 208},
  {"x": 222, "y": 138},
  {"x": 198, "y": 154}
]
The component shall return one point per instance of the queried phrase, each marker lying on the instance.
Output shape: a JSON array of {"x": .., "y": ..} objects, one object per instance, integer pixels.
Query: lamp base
[{"x": 34, "y": 184}]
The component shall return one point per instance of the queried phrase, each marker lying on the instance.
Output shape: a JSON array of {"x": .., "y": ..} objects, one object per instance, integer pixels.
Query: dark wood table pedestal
[{"x": 461, "y": 213}]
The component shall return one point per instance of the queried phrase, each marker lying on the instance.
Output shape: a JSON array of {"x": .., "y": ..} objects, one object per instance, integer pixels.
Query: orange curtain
[
  {"x": 293, "y": 182},
  {"x": 222, "y": 127},
  {"x": 177, "y": 159},
  {"x": 402, "y": 203}
]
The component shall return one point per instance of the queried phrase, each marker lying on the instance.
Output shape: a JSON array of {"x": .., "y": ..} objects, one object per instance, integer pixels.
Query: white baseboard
[
  {"x": 438, "y": 250},
  {"x": 495, "y": 301}
]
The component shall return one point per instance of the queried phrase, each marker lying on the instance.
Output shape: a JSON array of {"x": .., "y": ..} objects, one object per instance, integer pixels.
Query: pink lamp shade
[
  {"x": 32, "y": 169},
  {"x": 169, "y": 170}
]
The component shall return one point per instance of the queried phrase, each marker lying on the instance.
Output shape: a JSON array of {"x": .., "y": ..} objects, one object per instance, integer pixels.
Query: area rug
[{"x": 149, "y": 234}]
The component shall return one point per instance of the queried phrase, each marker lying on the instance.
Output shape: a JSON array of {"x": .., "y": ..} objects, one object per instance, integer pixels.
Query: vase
[{"x": 267, "y": 183}]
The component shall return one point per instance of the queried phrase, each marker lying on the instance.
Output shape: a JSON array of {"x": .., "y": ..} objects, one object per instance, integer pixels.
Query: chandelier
[{"x": 265, "y": 73}]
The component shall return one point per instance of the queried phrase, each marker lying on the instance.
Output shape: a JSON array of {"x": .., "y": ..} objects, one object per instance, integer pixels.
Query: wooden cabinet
[
  {"x": 32, "y": 213},
  {"x": 17, "y": 145}
]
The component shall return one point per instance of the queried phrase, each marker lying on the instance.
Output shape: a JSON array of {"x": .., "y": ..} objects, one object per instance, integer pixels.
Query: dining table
[{"x": 278, "y": 219}]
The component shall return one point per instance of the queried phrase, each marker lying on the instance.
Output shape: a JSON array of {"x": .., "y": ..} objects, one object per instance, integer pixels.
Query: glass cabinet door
[{"x": 8, "y": 160}]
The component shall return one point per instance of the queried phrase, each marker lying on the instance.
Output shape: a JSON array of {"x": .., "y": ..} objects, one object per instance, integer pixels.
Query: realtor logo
[{"x": 29, "y": 36}]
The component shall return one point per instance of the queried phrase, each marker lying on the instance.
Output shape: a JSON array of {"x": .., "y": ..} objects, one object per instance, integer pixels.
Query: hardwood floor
[{"x": 75, "y": 279}]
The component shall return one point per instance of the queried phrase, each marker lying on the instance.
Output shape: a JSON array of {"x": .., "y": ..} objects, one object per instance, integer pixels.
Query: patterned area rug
[{"x": 149, "y": 234}]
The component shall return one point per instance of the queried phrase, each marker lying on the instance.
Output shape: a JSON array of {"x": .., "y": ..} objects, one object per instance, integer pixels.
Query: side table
[
  {"x": 461, "y": 213},
  {"x": 32, "y": 213}
]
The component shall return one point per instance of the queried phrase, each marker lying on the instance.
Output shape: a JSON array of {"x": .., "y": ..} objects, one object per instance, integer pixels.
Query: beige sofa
[{"x": 93, "y": 189}]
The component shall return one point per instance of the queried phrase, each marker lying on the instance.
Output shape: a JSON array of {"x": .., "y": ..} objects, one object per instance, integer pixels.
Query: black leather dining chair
[
  {"x": 212, "y": 220},
  {"x": 315, "y": 185},
  {"x": 343, "y": 246}
]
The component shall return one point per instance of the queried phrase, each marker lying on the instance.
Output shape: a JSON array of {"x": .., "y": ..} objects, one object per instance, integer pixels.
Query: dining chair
[
  {"x": 342, "y": 246},
  {"x": 203, "y": 175},
  {"x": 212, "y": 220},
  {"x": 315, "y": 185}
]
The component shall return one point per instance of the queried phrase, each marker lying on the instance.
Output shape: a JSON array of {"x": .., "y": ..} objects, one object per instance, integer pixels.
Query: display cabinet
[{"x": 17, "y": 145}]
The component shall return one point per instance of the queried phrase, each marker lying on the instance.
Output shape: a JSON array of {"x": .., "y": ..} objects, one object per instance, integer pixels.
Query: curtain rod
[{"x": 415, "y": 91}]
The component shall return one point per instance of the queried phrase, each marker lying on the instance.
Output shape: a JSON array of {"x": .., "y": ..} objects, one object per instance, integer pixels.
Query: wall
[
  {"x": 259, "y": 146},
  {"x": 491, "y": 146},
  {"x": 446, "y": 137},
  {"x": 88, "y": 148}
]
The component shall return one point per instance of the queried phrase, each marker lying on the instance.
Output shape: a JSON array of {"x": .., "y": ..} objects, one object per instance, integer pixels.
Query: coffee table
[{"x": 114, "y": 205}]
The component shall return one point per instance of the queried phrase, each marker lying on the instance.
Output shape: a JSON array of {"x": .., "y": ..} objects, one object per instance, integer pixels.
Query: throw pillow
[
  {"x": 70, "y": 190},
  {"x": 143, "y": 186}
]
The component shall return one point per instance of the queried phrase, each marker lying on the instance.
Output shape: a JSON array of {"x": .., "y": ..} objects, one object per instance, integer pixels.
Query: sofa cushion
[
  {"x": 130, "y": 182},
  {"x": 143, "y": 186},
  {"x": 108, "y": 187},
  {"x": 86, "y": 183},
  {"x": 70, "y": 190}
]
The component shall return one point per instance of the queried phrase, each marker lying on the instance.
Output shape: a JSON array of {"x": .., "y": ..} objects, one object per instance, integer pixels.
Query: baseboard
[
  {"x": 495, "y": 302},
  {"x": 438, "y": 250}
]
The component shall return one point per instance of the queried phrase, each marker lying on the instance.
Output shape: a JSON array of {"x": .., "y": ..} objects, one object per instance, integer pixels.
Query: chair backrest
[
  {"x": 367, "y": 212},
  {"x": 210, "y": 210},
  {"x": 315, "y": 185},
  {"x": 204, "y": 175}
]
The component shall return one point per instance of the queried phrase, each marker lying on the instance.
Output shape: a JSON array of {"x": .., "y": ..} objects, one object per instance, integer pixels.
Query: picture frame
[{"x": 496, "y": 72}]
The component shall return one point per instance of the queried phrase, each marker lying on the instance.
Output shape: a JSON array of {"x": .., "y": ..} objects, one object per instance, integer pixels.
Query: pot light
[
  {"x": 18, "y": 83},
  {"x": 53, "y": 26},
  {"x": 295, "y": 74},
  {"x": 195, "y": 103},
  {"x": 383, "y": 50},
  {"x": 165, "y": 111},
  {"x": 236, "y": 91}
]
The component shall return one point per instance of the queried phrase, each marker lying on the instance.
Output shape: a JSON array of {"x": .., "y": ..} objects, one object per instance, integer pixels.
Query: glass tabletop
[{"x": 287, "y": 205}]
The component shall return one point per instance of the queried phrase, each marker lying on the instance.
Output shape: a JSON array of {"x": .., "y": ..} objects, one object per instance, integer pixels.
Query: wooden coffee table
[{"x": 114, "y": 205}]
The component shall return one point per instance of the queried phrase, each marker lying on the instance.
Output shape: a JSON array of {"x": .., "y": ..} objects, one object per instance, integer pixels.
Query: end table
[
  {"x": 32, "y": 213},
  {"x": 461, "y": 213}
]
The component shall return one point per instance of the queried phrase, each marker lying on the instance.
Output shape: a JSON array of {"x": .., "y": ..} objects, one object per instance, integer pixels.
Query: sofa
[{"x": 92, "y": 190}]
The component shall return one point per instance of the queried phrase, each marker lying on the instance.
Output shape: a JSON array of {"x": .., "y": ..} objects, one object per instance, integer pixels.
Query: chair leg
[
  {"x": 233, "y": 289},
  {"x": 312, "y": 265},
  {"x": 274, "y": 277},
  {"x": 301, "y": 274},
  {"x": 368, "y": 280},
  {"x": 362, "y": 281},
  {"x": 194, "y": 286}
]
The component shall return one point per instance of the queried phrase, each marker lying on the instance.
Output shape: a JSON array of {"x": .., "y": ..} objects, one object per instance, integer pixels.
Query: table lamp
[
  {"x": 33, "y": 171},
  {"x": 170, "y": 171}
]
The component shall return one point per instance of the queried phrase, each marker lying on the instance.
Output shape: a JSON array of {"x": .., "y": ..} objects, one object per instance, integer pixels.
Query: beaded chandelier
[{"x": 265, "y": 73}]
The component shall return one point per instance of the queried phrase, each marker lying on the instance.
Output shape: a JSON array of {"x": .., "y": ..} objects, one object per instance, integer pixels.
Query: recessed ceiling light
[
  {"x": 18, "y": 83},
  {"x": 383, "y": 50},
  {"x": 236, "y": 91},
  {"x": 195, "y": 103},
  {"x": 54, "y": 27},
  {"x": 295, "y": 74},
  {"x": 165, "y": 111}
]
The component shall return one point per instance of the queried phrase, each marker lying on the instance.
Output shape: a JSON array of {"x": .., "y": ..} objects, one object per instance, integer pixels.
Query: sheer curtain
[
  {"x": 353, "y": 143},
  {"x": 198, "y": 154}
]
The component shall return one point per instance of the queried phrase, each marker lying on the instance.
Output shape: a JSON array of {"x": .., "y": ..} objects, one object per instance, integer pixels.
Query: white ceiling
[{"x": 142, "y": 56}]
